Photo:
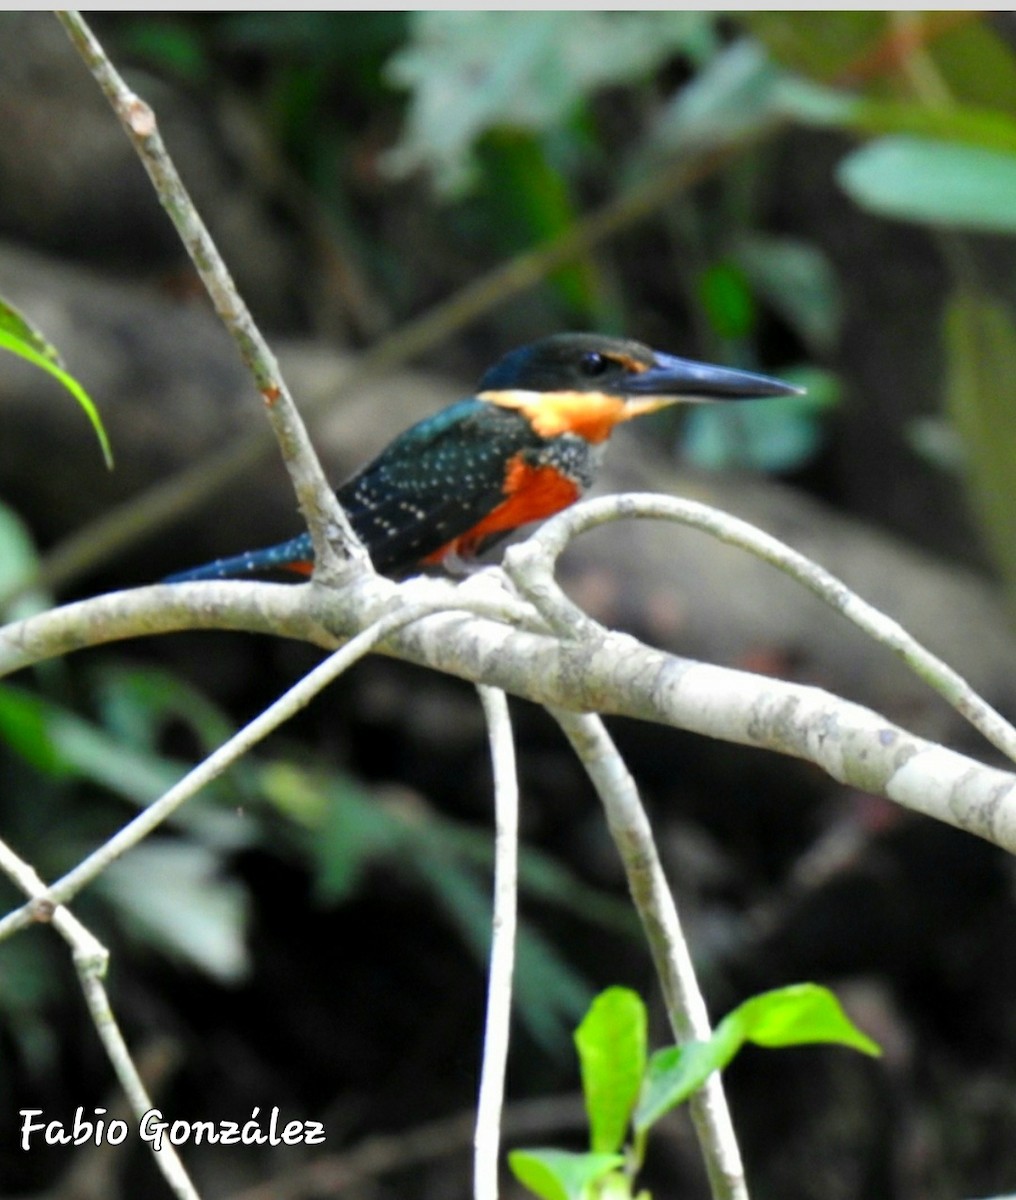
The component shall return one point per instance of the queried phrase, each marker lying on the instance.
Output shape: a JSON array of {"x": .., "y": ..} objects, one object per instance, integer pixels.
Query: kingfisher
[{"x": 524, "y": 447}]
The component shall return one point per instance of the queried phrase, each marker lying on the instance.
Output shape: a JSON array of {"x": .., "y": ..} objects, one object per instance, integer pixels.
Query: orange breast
[{"x": 532, "y": 494}]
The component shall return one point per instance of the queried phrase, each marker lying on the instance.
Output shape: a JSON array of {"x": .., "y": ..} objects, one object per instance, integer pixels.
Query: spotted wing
[{"x": 435, "y": 482}]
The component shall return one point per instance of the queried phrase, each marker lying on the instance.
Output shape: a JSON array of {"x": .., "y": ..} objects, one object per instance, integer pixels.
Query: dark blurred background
[{"x": 311, "y": 933}]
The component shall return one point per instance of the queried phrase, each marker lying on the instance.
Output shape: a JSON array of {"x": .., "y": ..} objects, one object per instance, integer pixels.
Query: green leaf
[
  {"x": 171, "y": 46},
  {"x": 933, "y": 182},
  {"x": 734, "y": 95},
  {"x": 980, "y": 393},
  {"x": 801, "y": 1014},
  {"x": 797, "y": 279},
  {"x": 172, "y": 894},
  {"x": 470, "y": 72},
  {"x": 24, "y": 727},
  {"x": 727, "y": 300},
  {"x": 19, "y": 337},
  {"x": 528, "y": 202},
  {"x": 350, "y": 829},
  {"x": 95, "y": 755},
  {"x": 611, "y": 1041},
  {"x": 559, "y": 1174},
  {"x": 137, "y": 703},
  {"x": 18, "y": 328},
  {"x": 62, "y": 744},
  {"x": 976, "y": 64},
  {"x": 356, "y": 831},
  {"x": 969, "y": 125},
  {"x": 18, "y": 562},
  {"x": 678, "y": 1072},
  {"x": 821, "y": 43}
]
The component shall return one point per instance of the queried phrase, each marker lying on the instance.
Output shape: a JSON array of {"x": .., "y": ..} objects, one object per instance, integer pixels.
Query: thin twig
[
  {"x": 487, "y": 1141},
  {"x": 686, "y": 1007},
  {"x": 226, "y": 755},
  {"x": 91, "y": 959},
  {"x": 337, "y": 550}
]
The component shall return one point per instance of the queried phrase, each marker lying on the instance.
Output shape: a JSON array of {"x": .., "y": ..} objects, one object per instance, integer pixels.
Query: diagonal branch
[
  {"x": 297, "y": 697},
  {"x": 90, "y": 961},
  {"x": 337, "y": 549},
  {"x": 686, "y": 1007}
]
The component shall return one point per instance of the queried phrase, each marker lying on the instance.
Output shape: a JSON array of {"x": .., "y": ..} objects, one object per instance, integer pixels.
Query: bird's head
[{"x": 587, "y": 383}]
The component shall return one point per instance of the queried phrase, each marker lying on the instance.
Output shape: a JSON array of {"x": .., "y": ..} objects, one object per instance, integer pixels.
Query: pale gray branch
[
  {"x": 686, "y": 1006},
  {"x": 487, "y": 1141},
  {"x": 605, "y": 672}
]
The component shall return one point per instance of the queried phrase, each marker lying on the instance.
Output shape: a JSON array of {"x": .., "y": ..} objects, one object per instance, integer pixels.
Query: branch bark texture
[{"x": 603, "y": 671}]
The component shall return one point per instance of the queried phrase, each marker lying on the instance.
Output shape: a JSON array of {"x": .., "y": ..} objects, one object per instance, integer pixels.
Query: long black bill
[{"x": 690, "y": 381}]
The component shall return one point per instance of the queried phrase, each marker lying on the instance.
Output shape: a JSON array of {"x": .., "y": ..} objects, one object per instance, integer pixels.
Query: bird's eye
[{"x": 594, "y": 364}]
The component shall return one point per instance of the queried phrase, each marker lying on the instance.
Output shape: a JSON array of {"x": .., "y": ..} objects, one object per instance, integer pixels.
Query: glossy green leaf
[
  {"x": 611, "y": 1041},
  {"x": 22, "y": 339},
  {"x": 560, "y": 1175},
  {"x": 933, "y": 182},
  {"x": 801, "y": 1014},
  {"x": 980, "y": 393},
  {"x": 676, "y": 1073}
]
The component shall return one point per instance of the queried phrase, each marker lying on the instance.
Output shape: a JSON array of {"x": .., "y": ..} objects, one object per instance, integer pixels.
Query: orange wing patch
[{"x": 533, "y": 493}]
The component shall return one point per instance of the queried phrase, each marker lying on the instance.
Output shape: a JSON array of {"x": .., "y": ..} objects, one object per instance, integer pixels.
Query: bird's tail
[{"x": 295, "y": 555}]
